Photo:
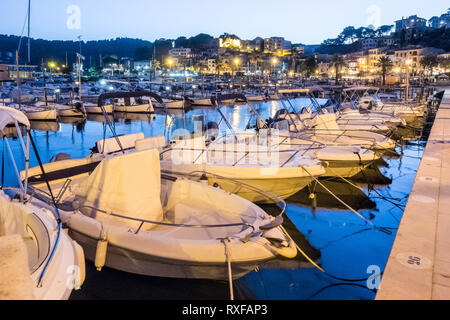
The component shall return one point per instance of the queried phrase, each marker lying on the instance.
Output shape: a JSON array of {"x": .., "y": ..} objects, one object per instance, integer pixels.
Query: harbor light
[
  {"x": 237, "y": 61},
  {"x": 170, "y": 62},
  {"x": 274, "y": 61},
  {"x": 52, "y": 65}
]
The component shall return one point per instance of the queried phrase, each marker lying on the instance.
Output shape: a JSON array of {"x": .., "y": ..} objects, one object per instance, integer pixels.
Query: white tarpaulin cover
[
  {"x": 128, "y": 185},
  {"x": 10, "y": 116},
  {"x": 12, "y": 217}
]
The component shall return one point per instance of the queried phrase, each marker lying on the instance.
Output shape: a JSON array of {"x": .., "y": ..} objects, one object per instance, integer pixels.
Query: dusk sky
[{"x": 308, "y": 22}]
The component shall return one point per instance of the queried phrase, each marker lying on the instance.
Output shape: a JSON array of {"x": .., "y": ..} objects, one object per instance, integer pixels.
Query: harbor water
[{"x": 352, "y": 252}]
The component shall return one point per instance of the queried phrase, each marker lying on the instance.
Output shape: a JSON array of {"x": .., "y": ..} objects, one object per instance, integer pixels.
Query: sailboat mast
[{"x": 29, "y": 40}]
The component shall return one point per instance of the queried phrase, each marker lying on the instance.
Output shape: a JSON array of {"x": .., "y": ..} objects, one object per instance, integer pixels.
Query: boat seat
[
  {"x": 158, "y": 142},
  {"x": 107, "y": 146}
]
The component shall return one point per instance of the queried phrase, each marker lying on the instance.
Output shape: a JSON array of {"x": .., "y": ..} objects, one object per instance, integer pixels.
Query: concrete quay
[{"x": 419, "y": 264}]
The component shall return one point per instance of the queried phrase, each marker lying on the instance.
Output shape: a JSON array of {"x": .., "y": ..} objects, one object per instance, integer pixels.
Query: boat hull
[
  {"x": 97, "y": 110},
  {"x": 130, "y": 261},
  {"x": 42, "y": 115}
]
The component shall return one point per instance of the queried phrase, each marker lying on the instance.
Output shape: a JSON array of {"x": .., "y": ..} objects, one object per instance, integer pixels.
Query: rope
[
  {"x": 336, "y": 197},
  {"x": 230, "y": 275}
]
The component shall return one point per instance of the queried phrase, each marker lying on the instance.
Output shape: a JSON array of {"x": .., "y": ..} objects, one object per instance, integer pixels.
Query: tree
[
  {"x": 385, "y": 64},
  {"x": 429, "y": 63},
  {"x": 444, "y": 63},
  {"x": 338, "y": 63}
]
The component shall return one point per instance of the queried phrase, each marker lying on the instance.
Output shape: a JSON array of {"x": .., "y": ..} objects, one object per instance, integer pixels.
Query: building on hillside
[
  {"x": 413, "y": 55},
  {"x": 277, "y": 46},
  {"x": 212, "y": 65},
  {"x": 369, "y": 43},
  {"x": 412, "y": 27},
  {"x": 299, "y": 50},
  {"x": 440, "y": 22},
  {"x": 385, "y": 42},
  {"x": 181, "y": 53},
  {"x": 373, "y": 56}
]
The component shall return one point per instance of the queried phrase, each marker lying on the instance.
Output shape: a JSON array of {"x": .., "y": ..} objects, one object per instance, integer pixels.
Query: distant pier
[{"x": 419, "y": 264}]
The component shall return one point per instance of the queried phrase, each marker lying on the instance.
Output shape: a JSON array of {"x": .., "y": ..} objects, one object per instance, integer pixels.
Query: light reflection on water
[{"x": 348, "y": 245}]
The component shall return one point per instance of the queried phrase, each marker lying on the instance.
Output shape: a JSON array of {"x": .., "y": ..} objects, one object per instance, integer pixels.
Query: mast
[
  {"x": 79, "y": 76},
  {"x": 29, "y": 41},
  {"x": 18, "y": 78}
]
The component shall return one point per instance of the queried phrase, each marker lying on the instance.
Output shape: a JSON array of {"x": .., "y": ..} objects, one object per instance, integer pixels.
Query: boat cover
[
  {"x": 127, "y": 185},
  {"x": 10, "y": 116}
]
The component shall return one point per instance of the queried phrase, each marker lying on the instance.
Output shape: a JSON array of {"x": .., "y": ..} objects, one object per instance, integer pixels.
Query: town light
[
  {"x": 408, "y": 62},
  {"x": 237, "y": 61},
  {"x": 52, "y": 64},
  {"x": 170, "y": 62},
  {"x": 274, "y": 61}
]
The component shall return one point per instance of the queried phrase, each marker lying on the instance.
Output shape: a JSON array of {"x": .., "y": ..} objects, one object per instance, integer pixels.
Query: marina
[
  {"x": 168, "y": 164},
  {"x": 384, "y": 189}
]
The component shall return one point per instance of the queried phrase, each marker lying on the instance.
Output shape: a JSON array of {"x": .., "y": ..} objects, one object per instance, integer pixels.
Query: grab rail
[{"x": 143, "y": 222}]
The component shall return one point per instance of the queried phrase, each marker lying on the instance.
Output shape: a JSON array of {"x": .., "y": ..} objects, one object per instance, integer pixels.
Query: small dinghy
[
  {"x": 38, "y": 259},
  {"x": 74, "y": 109},
  {"x": 133, "y": 102},
  {"x": 130, "y": 217},
  {"x": 93, "y": 108}
]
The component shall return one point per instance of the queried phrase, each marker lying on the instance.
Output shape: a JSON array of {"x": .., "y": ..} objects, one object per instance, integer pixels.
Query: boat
[
  {"x": 73, "y": 109},
  {"x": 404, "y": 111},
  {"x": 201, "y": 102},
  {"x": 349, "y": 117},
  {"x": 39, "y": 260},
  {"x": 132, "y": 104},
  {"x": 93, "y": 108},
  {"x": 256, "y": 98},
  {"x": 39, "y": 113},
  {"x": 131, "y": 216},
  {"x": 325, "y": 129},
  {"x": 368, "y": 100},
  {"x": 170, "y": 104}
]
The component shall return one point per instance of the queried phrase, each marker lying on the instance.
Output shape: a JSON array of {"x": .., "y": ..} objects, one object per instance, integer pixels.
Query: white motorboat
[
  {"x": 38, "y": 259},
  {"x": 133, "y": 105},
  {"x": 350, "y": 118},
  {"x": 325, "y": 129},
  {"x": 129, "y": 217},
  {"x": 404, "y": 111}
]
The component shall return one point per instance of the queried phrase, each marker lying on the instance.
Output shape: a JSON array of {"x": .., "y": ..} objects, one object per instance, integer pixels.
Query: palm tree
[
  {"x": 385, "y": 64},
  {"x": 338, "y": 63}
]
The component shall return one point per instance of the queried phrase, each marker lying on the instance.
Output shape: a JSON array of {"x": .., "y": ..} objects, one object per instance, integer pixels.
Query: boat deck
[{"x": 419, "y": 264}]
